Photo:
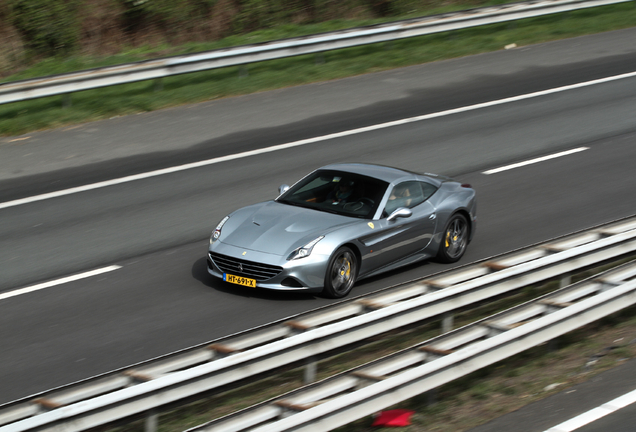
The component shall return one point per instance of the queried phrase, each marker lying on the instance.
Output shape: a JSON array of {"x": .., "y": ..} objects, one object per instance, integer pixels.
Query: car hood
[{"x": 276, "y": 228}]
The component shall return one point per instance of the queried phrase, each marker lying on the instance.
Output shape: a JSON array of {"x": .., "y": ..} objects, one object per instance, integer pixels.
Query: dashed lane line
[
  {"x": 299, "y": 143},
  {"x": 536, "y": 160},
  {"x": 61, "y": 281}
]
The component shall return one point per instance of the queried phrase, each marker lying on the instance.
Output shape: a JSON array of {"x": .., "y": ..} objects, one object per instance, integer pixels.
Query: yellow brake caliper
[{"x": 347, "y": 270}]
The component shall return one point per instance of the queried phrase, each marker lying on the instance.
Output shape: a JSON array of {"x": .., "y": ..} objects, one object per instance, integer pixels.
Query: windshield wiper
[
  {"x": 328, "y": 210},
  {"x": 292, "y": 203},
  {"x": 301, "y": 204},
  {"x": 298, "y": 204}
]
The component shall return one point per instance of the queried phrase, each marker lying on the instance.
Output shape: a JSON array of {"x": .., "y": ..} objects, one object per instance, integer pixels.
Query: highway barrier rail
[
  {"x": 370, "y": 388},
  {"x": 148, "y": 386},
  {"x": 165, "y": 67}
]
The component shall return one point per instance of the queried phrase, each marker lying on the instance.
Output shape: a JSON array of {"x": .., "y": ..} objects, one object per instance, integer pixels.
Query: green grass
[{"x": 21, "y": 117}]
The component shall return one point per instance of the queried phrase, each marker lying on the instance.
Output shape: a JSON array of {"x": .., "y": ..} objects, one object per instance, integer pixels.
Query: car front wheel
[
  {"x": 341, "y": 273},
  {"x": 454, "y": 239}
]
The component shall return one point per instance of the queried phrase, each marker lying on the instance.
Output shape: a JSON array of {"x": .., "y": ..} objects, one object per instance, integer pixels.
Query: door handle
[{"x": 432, "y": 217}]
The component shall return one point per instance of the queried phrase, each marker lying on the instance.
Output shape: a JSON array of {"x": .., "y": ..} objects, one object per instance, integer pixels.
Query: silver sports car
[{"x": 341, "y": 223}]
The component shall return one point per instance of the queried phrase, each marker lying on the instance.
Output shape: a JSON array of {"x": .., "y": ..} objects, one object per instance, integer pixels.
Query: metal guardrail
[
  {"x": 367, "y": 389},
  {"x": 153, "y": 384},
  {"x": 160, "y": 68}
]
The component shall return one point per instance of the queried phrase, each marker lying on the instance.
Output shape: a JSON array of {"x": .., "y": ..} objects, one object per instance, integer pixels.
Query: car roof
[{"x": 386, "y": 173}]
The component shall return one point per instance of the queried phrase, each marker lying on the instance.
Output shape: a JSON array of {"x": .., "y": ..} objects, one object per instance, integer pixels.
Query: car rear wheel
[
  {"x": 341, "y": 273},
  {"x": 454, "y": 240}
]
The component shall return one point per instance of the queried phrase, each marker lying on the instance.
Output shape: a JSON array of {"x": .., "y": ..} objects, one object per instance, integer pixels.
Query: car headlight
[
  {"x": 217, "y": 231},
  {"x": 304, "y": 251}
]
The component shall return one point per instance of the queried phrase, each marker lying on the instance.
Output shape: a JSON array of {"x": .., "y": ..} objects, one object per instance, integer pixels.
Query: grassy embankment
[{"x": 89, "y": 105}]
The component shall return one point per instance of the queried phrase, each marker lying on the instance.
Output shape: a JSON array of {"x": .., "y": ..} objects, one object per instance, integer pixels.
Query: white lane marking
[
  {"x": 533, "y": 161},
  {"x": 596, "y": 413},
  {"x": 58, "y": 282},
  {"x": 307, "y": 141}
]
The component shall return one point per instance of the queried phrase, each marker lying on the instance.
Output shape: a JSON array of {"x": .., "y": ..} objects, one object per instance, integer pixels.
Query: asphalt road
[
  {"x": 552, "y": 411},
  {"x": 619, "y": 421},
  {"x": 161, "y": 300}
]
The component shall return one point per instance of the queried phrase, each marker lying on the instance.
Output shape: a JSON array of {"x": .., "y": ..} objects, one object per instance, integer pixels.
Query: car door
[{"x": 399, "y": 238}]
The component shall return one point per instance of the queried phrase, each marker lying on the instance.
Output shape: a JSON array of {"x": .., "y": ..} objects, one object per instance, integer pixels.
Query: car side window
[
  {"x": 427, "y": 190},
  {"x": 408, "y": 194}
]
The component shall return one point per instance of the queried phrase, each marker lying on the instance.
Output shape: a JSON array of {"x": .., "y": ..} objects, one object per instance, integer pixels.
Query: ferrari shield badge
[{"x": 371, "y": 225}]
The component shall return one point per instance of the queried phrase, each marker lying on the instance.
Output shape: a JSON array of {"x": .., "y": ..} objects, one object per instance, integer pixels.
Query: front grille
[{"x": 253, "y": 270}]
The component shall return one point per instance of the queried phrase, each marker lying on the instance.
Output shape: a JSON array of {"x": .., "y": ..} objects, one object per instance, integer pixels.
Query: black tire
[
  {"x": 454, "y": 239},
  {"x": 341, "y": 273}
]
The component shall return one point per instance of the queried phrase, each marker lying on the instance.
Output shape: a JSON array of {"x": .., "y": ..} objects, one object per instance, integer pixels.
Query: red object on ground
[{"x": 398, "y": 417}]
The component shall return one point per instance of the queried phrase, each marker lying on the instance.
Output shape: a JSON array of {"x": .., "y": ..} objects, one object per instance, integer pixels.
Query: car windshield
[{"x": 337, "y": 192}]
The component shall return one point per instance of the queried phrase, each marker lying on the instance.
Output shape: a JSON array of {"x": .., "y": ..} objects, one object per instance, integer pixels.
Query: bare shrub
[
  {"x": 12, "y": 51},
  {"x": 101, "y": 30}
]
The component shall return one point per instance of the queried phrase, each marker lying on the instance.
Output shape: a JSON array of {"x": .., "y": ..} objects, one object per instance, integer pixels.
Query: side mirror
[
  {"x": 282, "y": 189},
  {"x": 401, "y": 212}
]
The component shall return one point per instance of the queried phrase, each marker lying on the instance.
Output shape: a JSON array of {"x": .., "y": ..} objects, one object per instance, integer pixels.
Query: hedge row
[{"x": 54, "y": 27}]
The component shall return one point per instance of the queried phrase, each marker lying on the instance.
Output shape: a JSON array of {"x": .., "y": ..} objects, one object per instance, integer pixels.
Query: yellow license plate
[{"x": 239, "y": 280}]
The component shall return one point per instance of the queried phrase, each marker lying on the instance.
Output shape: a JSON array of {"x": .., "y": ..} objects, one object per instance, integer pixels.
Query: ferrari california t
[{"x": 342, "y": 223}]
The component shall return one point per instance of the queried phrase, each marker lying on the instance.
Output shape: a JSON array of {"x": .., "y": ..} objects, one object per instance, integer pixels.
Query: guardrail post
[
  {"x": 447, "y": 322},
  {"x": 431, "y": 397},
  {"x": 158, "y": 85},
  {"x": 311, "y": 368},
  {"x": 565, "y": 281},
  {"x": 319, "y": 58},
  {"x": 243, "y": 72},
  {"x": 152, "y": 421},
  {"x": 66, "y": 100}
]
